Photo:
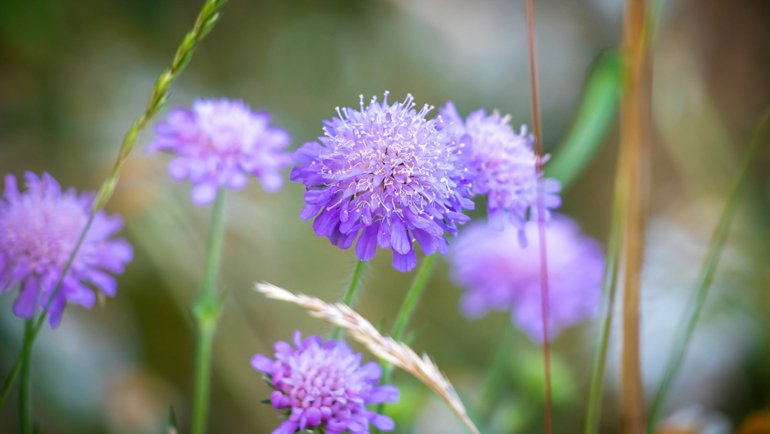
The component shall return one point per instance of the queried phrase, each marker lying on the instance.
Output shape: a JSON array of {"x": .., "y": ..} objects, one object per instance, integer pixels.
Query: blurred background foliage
[{"x": 73, "y": 74}]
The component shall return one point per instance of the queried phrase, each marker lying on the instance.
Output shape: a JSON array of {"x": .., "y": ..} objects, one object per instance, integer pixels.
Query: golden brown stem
[{"x": 632, "y": 180}]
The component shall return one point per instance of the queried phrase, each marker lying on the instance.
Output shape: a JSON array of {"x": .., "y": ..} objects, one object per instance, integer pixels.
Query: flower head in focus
[
  {"x": 499, "y": 274},
  {"x": 323, "y": 384},
  {"x": 38, "y": 231},
  {"x": 504, "y": 165},
  {"x": 220, "y": 143},
  {"x": 385, "y": 172}
]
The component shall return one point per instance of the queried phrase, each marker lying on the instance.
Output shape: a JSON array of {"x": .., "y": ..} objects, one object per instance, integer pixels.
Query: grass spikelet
[{"x": 384, "y": 347}]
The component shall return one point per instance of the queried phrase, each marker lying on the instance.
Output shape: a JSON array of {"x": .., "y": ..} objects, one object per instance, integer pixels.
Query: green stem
[
  {"x": 207, "y": 18},
  {"x": 206, "y": 313},
  {"x": 695, "y": 306},
  {"x": 25, "y": 399},
  {"x": 609, "y": 290},
  {"x": 498, "y": 374},
  {"x": 356, "y": 279},
  {"x": 412, "y": 299},
  {"x": 214, "y": 251},
  {"x": 408, "y": 307}
]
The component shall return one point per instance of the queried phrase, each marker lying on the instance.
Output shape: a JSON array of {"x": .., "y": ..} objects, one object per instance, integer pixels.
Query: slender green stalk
[
  {"x": 25, "y": 397},
  {"x": 206, "y": 313},
  {"x": 207, "y": 18},
  {"x": 411, "y": 301},
  {"x": 609, "y": 291},
  {"x": 497, "y": 376},
  {"x": 214, "y": 251},
  {"x": 695, "y": 306},
  {"x": 356, "y": 279},
  {"x": 204, "y": 344},
  {"x": 413, "y": 296}
]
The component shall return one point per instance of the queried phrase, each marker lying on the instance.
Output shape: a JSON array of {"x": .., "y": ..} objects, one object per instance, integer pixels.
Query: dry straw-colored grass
[{"x": 384, "y": 347}]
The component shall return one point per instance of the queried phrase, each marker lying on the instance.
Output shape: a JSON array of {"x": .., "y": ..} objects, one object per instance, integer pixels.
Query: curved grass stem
[
  {"x": 609, "y": 291},
  {"x": 690, "y": 318},
  {"x": 205, "y": 22}
]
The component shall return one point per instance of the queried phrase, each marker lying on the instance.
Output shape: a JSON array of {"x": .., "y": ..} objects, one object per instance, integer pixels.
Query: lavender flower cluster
[
  {"x": 388, "y": 176},
  {"x": 383, "y": 175},
  {"x": 502, "y": 275},
  {"x": 323, "y": 384},
  {"x": 221, "y": 143}
]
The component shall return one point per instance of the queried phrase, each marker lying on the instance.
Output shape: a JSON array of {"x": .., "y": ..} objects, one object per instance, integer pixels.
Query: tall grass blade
[
  {"x": 717, "y": 241},
  {"x": 609, "y": 292}
]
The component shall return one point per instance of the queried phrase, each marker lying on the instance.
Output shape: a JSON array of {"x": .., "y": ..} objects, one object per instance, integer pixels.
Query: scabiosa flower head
[
  {"x": 38, "y": 231},
  {"x": 504, "y": 163},
  {"x": 388, "y": 173},
  {"x": 323, "y": 384},
  {"x": 220, "y": 143},
  {"x": 499, "y": 274}
]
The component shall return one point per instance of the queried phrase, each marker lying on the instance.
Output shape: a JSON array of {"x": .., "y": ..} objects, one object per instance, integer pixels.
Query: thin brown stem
[
  {"x": 632, "y": 169},
  {"x": 538, "y": 131}
]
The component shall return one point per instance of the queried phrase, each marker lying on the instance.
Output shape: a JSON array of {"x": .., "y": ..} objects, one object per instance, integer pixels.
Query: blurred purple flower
[
  {"x": 504, "y": 165},
  {"x": 499, "y": 274},
  {"x": 39, "y": 229},
  {"x": 386, "y": 172},
  {"x": 220, "y": 143},
  {"x": 322, "y": 384}
]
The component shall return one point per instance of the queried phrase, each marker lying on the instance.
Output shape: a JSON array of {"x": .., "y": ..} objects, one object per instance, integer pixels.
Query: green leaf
[{"x": 595, "y": 116}]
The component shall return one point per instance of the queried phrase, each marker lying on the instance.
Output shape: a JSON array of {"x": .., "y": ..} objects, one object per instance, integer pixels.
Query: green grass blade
[
  {"x": 609, "y": 291},
  {"x": 595, "y": 116},
  {"x": 695, "y": 306}
]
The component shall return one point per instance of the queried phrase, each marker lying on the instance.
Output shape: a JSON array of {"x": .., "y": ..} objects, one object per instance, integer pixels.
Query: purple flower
[
  {"x": 322, "y": 384},
  {"x": 220, "y": 143},
  {"x": 387, "y": 173},
  {"x": 499, "y": 274},
  {"x": 38, "y": 230},
  {"x": 504, "y": 165}
]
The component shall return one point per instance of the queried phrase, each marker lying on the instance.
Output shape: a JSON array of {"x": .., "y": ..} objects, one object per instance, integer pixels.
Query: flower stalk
[
  {"x": 404, "y": 316},
  {"x": 25, "y": 396},
  {"x": 412, "y": 299},
  {"x": 206, "y": 314},
  {"x": 355, "y": 283}
]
